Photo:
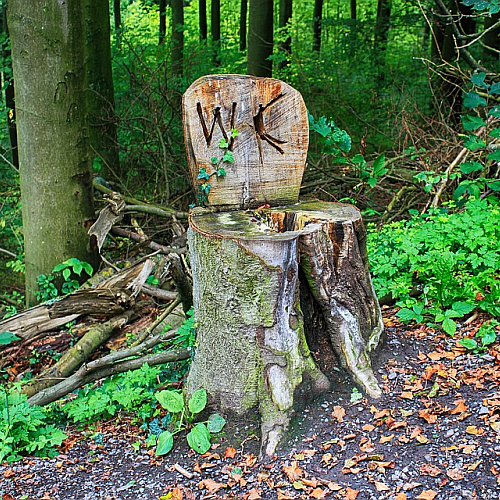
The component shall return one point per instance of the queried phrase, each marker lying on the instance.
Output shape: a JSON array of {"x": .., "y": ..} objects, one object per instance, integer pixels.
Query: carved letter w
[{"x": 217, "y": 119}]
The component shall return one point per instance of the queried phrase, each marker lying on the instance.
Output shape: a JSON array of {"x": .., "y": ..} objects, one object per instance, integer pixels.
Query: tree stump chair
[{"x": 273, "y": 277}]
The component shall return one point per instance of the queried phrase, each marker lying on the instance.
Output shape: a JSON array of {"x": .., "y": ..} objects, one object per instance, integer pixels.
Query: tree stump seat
[{"x": 271, "y": 276}]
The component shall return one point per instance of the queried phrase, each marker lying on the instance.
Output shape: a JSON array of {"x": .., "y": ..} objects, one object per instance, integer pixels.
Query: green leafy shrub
[
  {"x": 183, "y": 416},
  {"x": 451, "y": 257},
  {"x": 24, "y": 429}
]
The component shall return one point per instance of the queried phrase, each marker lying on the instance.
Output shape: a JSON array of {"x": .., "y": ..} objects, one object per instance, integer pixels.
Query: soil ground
[{"x": 434, "y": 434}]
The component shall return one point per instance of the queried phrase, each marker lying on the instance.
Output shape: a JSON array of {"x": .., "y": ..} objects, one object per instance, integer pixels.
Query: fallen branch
[{"x": 141, "y": 239}]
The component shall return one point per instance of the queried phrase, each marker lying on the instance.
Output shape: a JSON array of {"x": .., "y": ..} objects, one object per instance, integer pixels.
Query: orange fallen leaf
[
  {"x": 284, "y": 496},
  {"x": 334, "y": 486},
  {"x": 230, "y": 452},
  {"x": 422, "y": 439},
  {"x": 338, "y": 413},
  {"x": 460, "y": 408},
  {"x": 318, "y": 493},
  {"x": 397, "y": 425},
  {"x": 456, "y": 474},
  {"x": 430, "y": 470},
  {"x": 174, "y": 494},
  {"x": 211, "y": 485},
  {"x": 400, "y": 496},
  {"x": 8, "y": 473},
  {"x": 427, "y": 495},
  {"x": 386, "y": 439},
  {"x": 351, "y": 494},
  {"x": 381, "y": 486},
  {"x": 468, "y": 449},
  {"x": 472, "y": 429},
  {"x": 474, "y": 466},
  {"x": 407, "y": 395},
  {"x": 293, "y": 472},
  {"x": 327, "y": 458},
  {"x": 429, "y": 417},
  {"x": 368, "y": 427},
  {"x": 253, "y": 494}
]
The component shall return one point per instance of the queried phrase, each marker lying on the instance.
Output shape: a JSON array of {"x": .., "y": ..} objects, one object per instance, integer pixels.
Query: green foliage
[
  {"x": 485, "y": 336},
  {"x": 128, "y": 391},
  {"x": 47, "y": 289},
  {"x": 7, "y": 338},
  {"x": 182, "y": 418},
  {"x": 24, "y": 429},
  {"x": 451, "y": 257}
]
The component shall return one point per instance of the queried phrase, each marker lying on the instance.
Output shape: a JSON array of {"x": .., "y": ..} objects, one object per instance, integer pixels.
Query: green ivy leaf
[
  {"x": 228, "y": 156},
  {"x": 495, "y": 88},
  {"x": 495, "y": 111},
  {"x": 7, "y": 338},
  {"x": 473, "y": 100},
  {"x": 472, "y": 122},
  {"x": 494, "y": 156},
  {"x": 171, "y": 401},
  {"x": 478, "y": 79},
  {"x": 199, "y": 438},
  {"x": 223, "y": 144},
  {"x": 406, "y": 314},
  {"x": 215, "y": 423},
  {"x": 203, "y": 174},
  {"x": 165, "y": 443},
  {"x": 493, "y": 185},
  {"x": 472, "y": 143},
  {"x": 234, "y": 133},
  {"x": 488, "y": 338},
  {"x": 495, "y": 133},
  {"x": 214, "y": 160},
  {"x": 471, "y": 166},
  {"x": 221, "y": 172},
  {"x": 198, "y": 401},
  {"x": 468, "y": 343}
]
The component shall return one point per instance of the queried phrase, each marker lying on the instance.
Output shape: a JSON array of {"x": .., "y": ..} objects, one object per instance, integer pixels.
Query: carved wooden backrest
[{"x": 268, "y": 144}]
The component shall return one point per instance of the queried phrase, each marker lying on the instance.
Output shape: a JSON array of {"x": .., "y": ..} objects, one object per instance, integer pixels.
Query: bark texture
[
  {"x": 260, "y": 38},
  {"x": 48, "y": 56},
  {"x": 252, "y": 346}
]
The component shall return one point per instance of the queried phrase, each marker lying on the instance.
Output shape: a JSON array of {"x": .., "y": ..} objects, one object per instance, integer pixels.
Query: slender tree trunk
[
  {"x": 117, "y": 14},
  {"x": 48, "y": 54},
  {"x": 162, "y": 10},
  {"x": 215, "y": 21},
  {"x": 202, "y": 16},
  {"x": 317, "y": 18},
  {"x": 243, "y": 25},
  {"x": 491, "y": 39},
  {"x": 354, "y": 10},
  {"x": 286, "y": 10},
  {"x": 9, "y": 91},
  {"x": 99, "y": 85},
  {"x": 177, "y": 36},
  {"x": 382, "y": 26},
  {"x": 260, "y": 38}
]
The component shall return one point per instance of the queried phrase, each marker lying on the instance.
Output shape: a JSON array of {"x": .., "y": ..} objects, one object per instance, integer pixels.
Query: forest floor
[{"x": 434, "y": 434}]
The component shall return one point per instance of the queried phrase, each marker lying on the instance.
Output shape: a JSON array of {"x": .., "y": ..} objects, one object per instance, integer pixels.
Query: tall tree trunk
[
  {"x": 243, "y": 25},
  {"x": 99, "y": 85},
  {"x": 317, "y": 19},
  {"x": 491, "y": 39},
  {"x": 117, "y": 14},
  {"x": 260, "y": 38},
  {"x": 286, "y": 9},
  {"x": 354, "y": 8},
  {"x": 177, "y": 36},
  {"x": 382, "y": 25},
  {"x": 162, "y": 11},
  {"x": 215, "y": 21},
  {"x": 202, "y": 17},
  {"x": 48, "y": 54},
  {"x": 9, "y": 91}
]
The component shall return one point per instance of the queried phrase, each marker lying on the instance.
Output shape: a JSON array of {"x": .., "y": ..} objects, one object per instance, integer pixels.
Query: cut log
[
  {"x": 253, "y": 340},
  {"x": 269, "y": 151}
]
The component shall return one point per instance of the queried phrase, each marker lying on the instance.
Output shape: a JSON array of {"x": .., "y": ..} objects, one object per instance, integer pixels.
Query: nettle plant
[{"x": 218, "y": 167}]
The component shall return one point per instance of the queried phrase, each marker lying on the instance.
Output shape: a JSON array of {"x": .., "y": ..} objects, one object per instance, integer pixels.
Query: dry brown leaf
[
  {"x": 8, "y": 473},
  {"x": 460, "y": 408},
  {"x": 474, "y": 466},
  {"x": 400, "y": 496},
  {"x": 422, "y": 439},
  {"x": 397, "y": 425},
  {"x": 318, "y": 493},
  {"x": 382, "y": 414},
  {"x": 327, "y": 457},
  {"x": 472, "y": 429},
  {"x": 411, "y": 486},
  {"x": 338, "y": 413},
  {"x": 284, "y": 496},
  {"x": 456, "y": 474},
  {"x": 253, "y": 494},
  {"x": 381, "y": 486},
  {"x": 211, "y": 485},
  {"x": 351, "y": 494},
  {"x": 293, "y": 472},
  {"x": 334, "y": 486},
  {"x": 427, "y": 495},
  {"x": 430, "y": 470},
  {"x": 230, "y": 452},
  {"x": 429, "y": 417},
  {"x": 368, "y": 427},
  {"x": 386, "y": 439}
]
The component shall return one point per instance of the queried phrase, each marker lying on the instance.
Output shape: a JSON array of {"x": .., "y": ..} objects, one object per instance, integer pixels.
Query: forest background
[{"x": 403, "y": 103}]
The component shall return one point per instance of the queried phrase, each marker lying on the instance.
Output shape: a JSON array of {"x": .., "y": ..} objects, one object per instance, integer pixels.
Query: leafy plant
[
  {"x": 7, "y": 338},
  {"x": 183, "y": 416},
  {"x": 47, "y": 289},
  {"x": 24, "y": 428},
  {"x": 485, "y": 336}
]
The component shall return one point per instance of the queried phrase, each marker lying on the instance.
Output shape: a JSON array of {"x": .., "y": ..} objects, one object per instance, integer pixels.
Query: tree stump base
[{"x": 260, "y": 277}]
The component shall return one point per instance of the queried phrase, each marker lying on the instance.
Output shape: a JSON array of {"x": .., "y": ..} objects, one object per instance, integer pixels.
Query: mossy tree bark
[
  {"x": 253, "y": 342},
  {"x": 48, "y": 55}
]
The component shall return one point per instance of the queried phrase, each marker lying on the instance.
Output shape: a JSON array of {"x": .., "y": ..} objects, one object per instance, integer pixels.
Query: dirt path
[{"x": 434, "y": 434}]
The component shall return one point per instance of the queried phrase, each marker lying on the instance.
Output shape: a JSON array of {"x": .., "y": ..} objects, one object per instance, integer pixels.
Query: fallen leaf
[
  {"x": 299, "y": 485},
  {"x": 386, "y": 439},
  {"x": 427, "y": 495},
  {"x": 472, "y": 429},
  {"x": 368, "y": 427},
  {"x": 460, "y": 408},
  {"x": 495, "y": 426},
  {"x": 405, "y": 413},
  {"x": 334, "y": 486},
  {"x": 253, "y": 494},
  {"x": 430, "y": 470},
  {"x": 351, "y": 494},
  {"x": 422, "y": 439},
  {"x": 327, "y": 457},
  {"x": 397, "y": 425},
  {"x": 284, "y": 496},
  {"x": 318, "y": 493},
  {"x": 230, "y": 452},
  {"x": 293, "y": 472},
  {"x": 474, "y": 466},
  {"x": 309, "y": 453},
  {"x": 381, "y": 486},
  {"x": 174, "y": 494},
  {"x": 468, "y": 449},
  {"x": 429, "y": 417},
  {"x": 7, "y": 496},
  {"x": 456, "y": 474},
  {"x": 211, "y": 485},
  {"x": 382, "y": 414},
  {"x": 411, "y": 486},
  {"x": 8, "y": 473},
  {"x": 338, "y": 413},
  {"x": 406, "y": 395},
  {"x": 400, "y": 496}
]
